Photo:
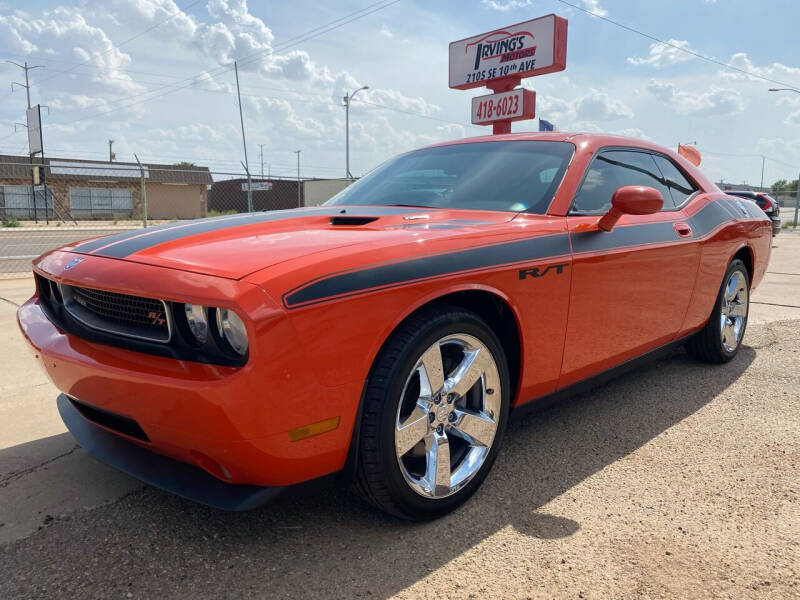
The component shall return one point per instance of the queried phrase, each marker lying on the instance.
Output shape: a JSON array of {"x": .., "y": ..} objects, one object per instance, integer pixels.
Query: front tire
[
  {"x": 435, "y": 410},
  {"x": 719, "y": 341}
]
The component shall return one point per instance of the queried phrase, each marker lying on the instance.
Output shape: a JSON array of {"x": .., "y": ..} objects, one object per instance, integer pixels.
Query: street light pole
[
  {"x": 347, "y": 100},
  {"x": 763, "y": 159},
  {"x": 784, "y": 90}
]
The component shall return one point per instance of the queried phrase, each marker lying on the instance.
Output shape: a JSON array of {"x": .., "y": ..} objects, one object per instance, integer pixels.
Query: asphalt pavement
[
  {"x": 677, "y": 480},
  {"x": 18, "y": 246}
]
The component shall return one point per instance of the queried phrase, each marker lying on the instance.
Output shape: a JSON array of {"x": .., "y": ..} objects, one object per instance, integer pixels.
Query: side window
[
  {"x": 680, "y": 187},
  {"x": 612, "y": 170}
]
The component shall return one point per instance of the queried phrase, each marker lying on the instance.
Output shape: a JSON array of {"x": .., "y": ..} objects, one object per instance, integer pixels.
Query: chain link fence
[{"x": 43, "y": 206}]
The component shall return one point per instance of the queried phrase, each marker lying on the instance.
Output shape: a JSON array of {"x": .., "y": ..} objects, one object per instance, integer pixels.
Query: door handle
[{"x": 682, "y": 229}]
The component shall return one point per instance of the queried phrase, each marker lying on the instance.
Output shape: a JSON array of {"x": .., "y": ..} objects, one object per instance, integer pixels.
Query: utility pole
[
  {"x": 27, "y": 87},
  {"x": 143, "y": 187},
  {"x": 347, "y": 99},
  {"x": 261, "y": 148},
  {"x": 244, "y": 141},
  {"x": 111, "y": 155},
  {"x": 299, "y": 197},
  {"x": 763, "y": 159},
  {"x": 249, "y": 188},
  {"x": 27, "y": 84}
]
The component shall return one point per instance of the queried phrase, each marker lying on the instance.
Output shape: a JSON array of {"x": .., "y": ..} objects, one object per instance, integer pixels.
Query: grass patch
[{"x": 11, "y": 222}]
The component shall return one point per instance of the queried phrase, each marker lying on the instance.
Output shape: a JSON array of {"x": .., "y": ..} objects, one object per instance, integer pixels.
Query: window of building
[
  {"x": 18, "y": 202},
  {"x": 610, "y": 171},
  {"x": 100, "y": 202}
]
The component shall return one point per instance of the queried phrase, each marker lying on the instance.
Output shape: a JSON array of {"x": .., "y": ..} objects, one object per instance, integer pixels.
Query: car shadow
[{"x": 333, "y": 545}]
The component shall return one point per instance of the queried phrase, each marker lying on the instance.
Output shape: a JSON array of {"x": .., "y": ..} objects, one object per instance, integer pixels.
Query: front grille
[{"x": 122, "y": 314}]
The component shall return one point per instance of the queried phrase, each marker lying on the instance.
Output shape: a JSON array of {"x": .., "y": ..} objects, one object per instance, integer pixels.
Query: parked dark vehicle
[{"x": 766, "y": 203}]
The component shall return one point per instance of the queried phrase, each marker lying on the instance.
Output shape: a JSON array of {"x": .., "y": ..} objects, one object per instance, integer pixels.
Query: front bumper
[
  {"x": 232, "y": 422},
  {"x": 159, "y": 471}
]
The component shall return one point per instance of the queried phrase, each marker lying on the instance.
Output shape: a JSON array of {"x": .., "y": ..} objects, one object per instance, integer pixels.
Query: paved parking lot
[
  {"x": 19, "y": 245},
  {"x": 678, "y": 480}
]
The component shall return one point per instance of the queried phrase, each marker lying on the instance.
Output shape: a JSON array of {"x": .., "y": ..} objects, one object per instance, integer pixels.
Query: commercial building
[
  {"x": 87, "y": 189},
  {"x": 272, "y": 194}
]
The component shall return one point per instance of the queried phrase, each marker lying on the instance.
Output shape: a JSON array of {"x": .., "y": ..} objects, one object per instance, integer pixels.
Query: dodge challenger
[{"x": 385, "y": 337}]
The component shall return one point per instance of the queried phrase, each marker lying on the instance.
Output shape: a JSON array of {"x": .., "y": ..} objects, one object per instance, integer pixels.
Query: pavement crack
[
  {"x": 14, "y": 475},
  {"x": 775, "y": 304},
  {"x": 9, "y": 301}
]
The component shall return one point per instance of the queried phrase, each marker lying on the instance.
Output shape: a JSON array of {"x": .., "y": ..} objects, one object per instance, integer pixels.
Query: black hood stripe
[
  {"x": 382, "y": 276},
  {"x": 429, "y": 266},
  {"x": 122, "y": 245}
]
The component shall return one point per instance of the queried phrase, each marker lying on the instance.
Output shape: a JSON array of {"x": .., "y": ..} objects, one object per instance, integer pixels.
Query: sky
[{"x": 157, "y": 77}]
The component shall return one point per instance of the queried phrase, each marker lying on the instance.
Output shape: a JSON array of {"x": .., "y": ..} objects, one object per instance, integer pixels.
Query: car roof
[{"x": 591, "y": 142}]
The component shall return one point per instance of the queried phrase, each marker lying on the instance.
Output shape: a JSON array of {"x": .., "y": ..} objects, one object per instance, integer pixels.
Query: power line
[
  {"x": 682, "y": 49},
  {"x": 192, "y": 80},
  {"x": 122, "y": 43}
]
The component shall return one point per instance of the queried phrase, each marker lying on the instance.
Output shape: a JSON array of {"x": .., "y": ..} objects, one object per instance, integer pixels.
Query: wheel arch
[
  {"x": 492, "y": 305},
  {"x": 747, "y": 256}
]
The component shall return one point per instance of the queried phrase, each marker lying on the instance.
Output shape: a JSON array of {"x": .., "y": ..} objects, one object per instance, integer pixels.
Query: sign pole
[{"x": 499, "y": 60}]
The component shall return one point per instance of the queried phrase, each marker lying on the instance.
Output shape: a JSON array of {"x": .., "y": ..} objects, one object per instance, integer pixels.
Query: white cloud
[
  {"x": 385, "y": 31},
  {"x": 776, "y": 70},
  {"x": 662, "y": 55},
  {"x": 634, "y": 132},
  {"x": 599, "y": 106},
  {"x": 64, "y": 32},
  {"x": 506, "y": 5},
  {"x": 593, "y": 6},
  {"x": 717, "y": 101}
]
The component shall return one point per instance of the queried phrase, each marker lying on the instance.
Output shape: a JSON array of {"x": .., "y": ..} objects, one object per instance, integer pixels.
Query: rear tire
[
  {"x": 719, "y": 341},
  {"x": 435, "y": 409}
]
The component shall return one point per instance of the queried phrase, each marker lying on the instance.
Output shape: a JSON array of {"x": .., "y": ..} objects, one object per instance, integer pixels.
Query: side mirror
[{"x": 631, "y": 200}]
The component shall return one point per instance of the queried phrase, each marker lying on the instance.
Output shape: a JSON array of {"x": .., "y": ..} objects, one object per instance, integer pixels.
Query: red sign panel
[
  {"x": 515, "y": 105},
  {"x": 523, "y": 50}
]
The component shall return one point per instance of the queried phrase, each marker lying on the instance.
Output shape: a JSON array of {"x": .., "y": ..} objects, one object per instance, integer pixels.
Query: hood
[{"x": 238, "y": 245}]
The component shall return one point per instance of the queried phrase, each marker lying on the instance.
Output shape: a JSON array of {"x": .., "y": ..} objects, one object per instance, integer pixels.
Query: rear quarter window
[{"x": 679, "y": 186}]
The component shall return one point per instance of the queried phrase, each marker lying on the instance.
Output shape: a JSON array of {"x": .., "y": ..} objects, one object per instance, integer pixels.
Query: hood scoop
[{"x": 351, "y": 221}]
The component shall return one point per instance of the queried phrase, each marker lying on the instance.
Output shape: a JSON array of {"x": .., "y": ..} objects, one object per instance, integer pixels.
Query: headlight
[
  {"x": 231, "y": 329},
  {"x": 197, "y": 319}
]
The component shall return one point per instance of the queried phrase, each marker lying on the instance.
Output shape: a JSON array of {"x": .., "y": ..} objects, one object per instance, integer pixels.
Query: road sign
[
  {"x": 545, "y": 125},
  {"x": 34, "y": 118},
  {"x": 258, "y": 186},
  {"x": 515, "y": 105},
  {"x": 523, "y": 50}
]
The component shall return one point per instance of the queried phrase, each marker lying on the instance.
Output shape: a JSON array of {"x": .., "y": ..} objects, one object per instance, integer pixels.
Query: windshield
[{"x": 509, "y": 176}]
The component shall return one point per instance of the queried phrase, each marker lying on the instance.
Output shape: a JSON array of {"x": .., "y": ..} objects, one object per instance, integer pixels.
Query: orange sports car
[{"x": 386, "y": 336}]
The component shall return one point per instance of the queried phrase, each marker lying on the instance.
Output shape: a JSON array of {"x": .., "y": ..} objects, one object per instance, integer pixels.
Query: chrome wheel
[
  {"x": 448, "y": 415},
  {"x": 733, "y": 313}
]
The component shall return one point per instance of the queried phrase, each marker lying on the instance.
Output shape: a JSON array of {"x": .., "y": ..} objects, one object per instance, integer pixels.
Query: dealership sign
[
  {"x": 515, "y": 105},
  {"x": 500, "y": 60},
  {"x": 524, "y": 50}
]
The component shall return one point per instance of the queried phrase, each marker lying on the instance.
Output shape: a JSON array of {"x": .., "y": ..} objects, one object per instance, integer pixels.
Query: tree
[
  {"x": 785, "y": 187},
  {"x": 185, "y": 163}
]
